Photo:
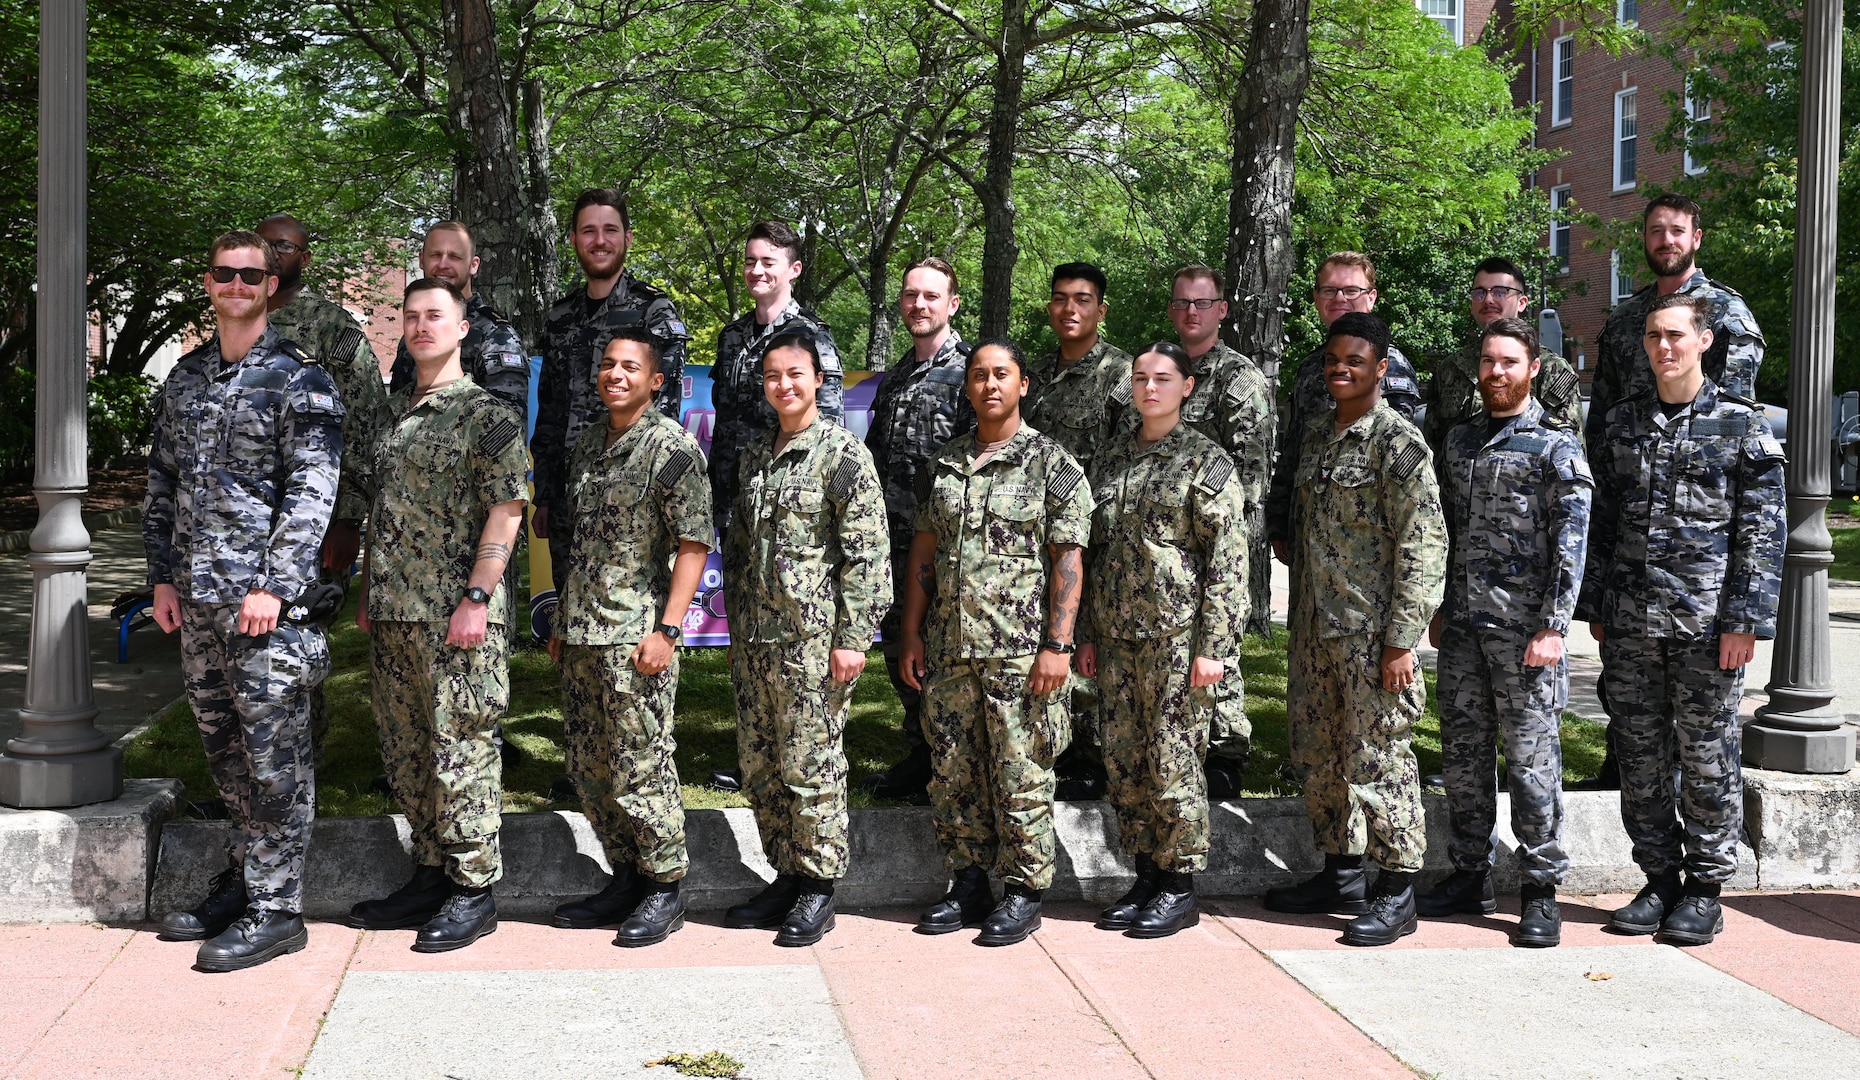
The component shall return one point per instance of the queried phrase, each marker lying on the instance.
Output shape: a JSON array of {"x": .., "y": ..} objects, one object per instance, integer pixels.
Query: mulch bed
[{"x": 110, "y": 489}]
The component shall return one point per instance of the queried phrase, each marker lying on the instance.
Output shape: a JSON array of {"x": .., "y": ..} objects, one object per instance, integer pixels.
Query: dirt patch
[{"x": 110, "y": 489}]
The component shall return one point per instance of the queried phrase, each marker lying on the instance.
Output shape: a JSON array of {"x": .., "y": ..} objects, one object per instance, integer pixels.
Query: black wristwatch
[
  {"x": 477, "y": 595},
  {"x": 1061, "y": 647},
  {"x": 672, "y": 633}
]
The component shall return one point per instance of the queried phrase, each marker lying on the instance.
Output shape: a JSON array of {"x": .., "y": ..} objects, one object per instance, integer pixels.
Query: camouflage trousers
[
  {"x": 435, "y": 708},
  {"x": 618, "y": 726},
  {"x": 1486, "y": 693},
  {"x": 791, "y": 741},
  {"x": 1222, "y": 710},
  {"x": 992, "y": 745},
  {"x": 1675, "y": 710},
  {"x": 1354, "y": 741},
  {"x": 1154, "y": 741},
  {"x": 891, "y": 639},
  {"x": 251, "y": 699}
]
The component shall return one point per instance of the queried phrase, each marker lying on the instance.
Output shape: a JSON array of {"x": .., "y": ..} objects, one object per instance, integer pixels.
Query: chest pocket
[
  {"x": 1702, "y": 480},
  {"x": 432, "y": 456},
  {"x": 1514, "y": 476},
  {"x": 1013, "y": 522},
  {"x": 1162, "y": 507},
  {"x": 1352, "y": 494},
  {"x": 799, "y": 517},
  {"x": 1195, "y": 410}
]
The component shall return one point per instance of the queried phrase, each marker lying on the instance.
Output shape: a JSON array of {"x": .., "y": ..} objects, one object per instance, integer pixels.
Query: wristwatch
[
  {"x": 477, "y": 595},
  {"x": 672, "y": 633},
  {"x": 1064, "y": 648}
]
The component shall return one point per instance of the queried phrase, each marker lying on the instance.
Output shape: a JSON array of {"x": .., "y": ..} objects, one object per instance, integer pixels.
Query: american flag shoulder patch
[
  {"x": 1064, "y": 479},
  {"x": 673, "y": 469},
  {"x": 1408, "y": 460},
  {"x": 1214, "y": 474},
  {"x": 844, "y": 477},
  {"x": 497, "y": 436}
]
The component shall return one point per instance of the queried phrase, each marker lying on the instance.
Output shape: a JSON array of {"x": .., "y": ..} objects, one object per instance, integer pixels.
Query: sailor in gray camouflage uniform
[
  {"x": 1516, "y": 490},
  {"x": 492, "y": 355},
  {"x": 1684, "y": 574},
  {"x": 242, "y": 480}
]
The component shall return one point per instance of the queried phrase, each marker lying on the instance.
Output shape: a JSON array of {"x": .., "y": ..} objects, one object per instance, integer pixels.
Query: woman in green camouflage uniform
[{"x": 1165, "y": 597}]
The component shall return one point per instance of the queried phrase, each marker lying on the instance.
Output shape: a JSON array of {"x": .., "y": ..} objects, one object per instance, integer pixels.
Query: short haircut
[
  {"x": 1171, "y": 352},
  {"x": 779, "y": 233},
  {"x": 600, "y": 196},
  {"x": 433, "y": 284},
  {"x": 795, "y": 339},
  {"x": 1700, "y": 309},
  {"x": 243, "y": 238},
  {"x": 1673, "y": 200},
  {"x": 471, "y": 243},
  {"x": 1361, "y": 324},
  {"x": 655, "y": 351},
  {"x": 1198, "y": 272},
  {"x": 931, "y": 262},
  {"x": 1080, "y": 271},
  {"x": 1014, "y": 353},
  {"x": 1498, "y": 264},
  {"x": 1515, "y": 329},
  {"x": 1350, "y": 258}
]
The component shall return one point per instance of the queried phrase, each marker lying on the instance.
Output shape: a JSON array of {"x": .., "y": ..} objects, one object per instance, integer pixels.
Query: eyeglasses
[
  {"x": 1500, "y": 293},
  {"x": 1198, "y": 305},
  {"x": 251, "y": 275},
  {"x": 285, "y": 247},
  {"x": 1348, "y": 292}
]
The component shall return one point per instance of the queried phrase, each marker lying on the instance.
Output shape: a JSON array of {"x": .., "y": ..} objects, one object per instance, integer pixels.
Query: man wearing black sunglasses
[{"x": 242, "y": 480}]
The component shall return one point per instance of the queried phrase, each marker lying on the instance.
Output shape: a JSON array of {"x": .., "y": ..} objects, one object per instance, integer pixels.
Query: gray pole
[
  {"x": 61, "y": 759},
  {"x": 1801, "y": 728}
]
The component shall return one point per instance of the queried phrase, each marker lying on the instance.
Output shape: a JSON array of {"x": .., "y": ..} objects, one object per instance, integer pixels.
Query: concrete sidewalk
[{"x": 1246, "y": 994}]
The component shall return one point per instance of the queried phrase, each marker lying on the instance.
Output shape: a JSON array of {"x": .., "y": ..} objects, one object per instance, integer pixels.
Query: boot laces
[{"x": 1385, "y": 905}]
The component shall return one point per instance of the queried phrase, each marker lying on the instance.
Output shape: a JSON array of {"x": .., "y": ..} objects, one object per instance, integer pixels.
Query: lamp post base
[
  {"x": 1786, "y": 750},
  {"x": 45, "y": 783}
]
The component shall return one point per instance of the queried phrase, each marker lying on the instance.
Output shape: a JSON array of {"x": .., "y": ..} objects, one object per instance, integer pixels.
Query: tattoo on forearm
[
  {"x": 1065, "y": 596},
  {"x": 493, "y": 551},
  {"x": 926, "y": 579}
]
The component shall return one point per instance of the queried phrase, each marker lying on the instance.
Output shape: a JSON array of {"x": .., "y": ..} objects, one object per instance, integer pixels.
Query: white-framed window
[
  {"x": 1627, "y": 138},
  {"x": 1627, "y": 12},
  {"x": 1559, "y": 229},
  {"x": 1698, "y": 129},
  {"x": 1563, "y": 70},
  {"x": 1620, "y": 278},
  {"x": 1447, "y": 14}
]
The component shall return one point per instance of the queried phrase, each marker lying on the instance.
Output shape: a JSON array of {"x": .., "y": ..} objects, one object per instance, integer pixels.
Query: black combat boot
[
  {"x": 1120, "y": 915},
  {"x": 1464, "y": 892},
  {"x": 1172, "y": 908},
  {"x": 767, "y": 909},
  {"x": 1391, "y": 915},
  {"x": 908, "y": 779},
  {"x": 660, "y": 914},
  {"x": 225, "y": 902},
  {"x": 1540, "y": 921},
  {"x": 1341, "y": 889},
  {"x": 609, "y": 907},
  {"x": 1013, "y": 919},
  {"x": 1697, "y": 918},
  {"x": 811, "y": 917},
  {"x": 967, "y": 903},
  {"x": 255, "y": 937},
  {"x": 467, "y": 915},
  {"x": 1223, "y": 775},
  {"x": 413, "y": 904},
  {"x": 1650, "y": 905}
]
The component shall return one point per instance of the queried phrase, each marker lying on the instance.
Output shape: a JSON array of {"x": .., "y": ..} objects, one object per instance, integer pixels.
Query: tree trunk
[
  {"x": 883, "y": 321},
  {"x": 487, "y": 180},
  {"x": 540, "y": 225},
  {"x": 996, "y": 191}
]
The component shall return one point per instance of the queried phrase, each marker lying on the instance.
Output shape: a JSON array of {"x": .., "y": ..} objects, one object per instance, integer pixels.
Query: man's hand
[
  {"x": 846, "y": 664},
  {"x": 258, "y": 615},
  {"x": 341, "y": 544},
  {"x": 1282, "y": 551},
  {"x": 1595, "y": 630},
  {"x": 653, "y": 654},
  {"x": 1049, "y": 672},
  {"x": 911, "y": 661},
  {"x": 1545, "y": 648},
  {"x": 1397, "y": 668},
  {"x": 1433, "y": 630},
  {"x": 469, "y": 620},
  {"x": 1735, "y": 650},
  {"x": 1205, "y": 672},
  {"x": 1086, "y": 662},
  {"x": 539, "y": 522},
  {"x": 555, "y": 649},
  {"x": 167, "y": 608}
]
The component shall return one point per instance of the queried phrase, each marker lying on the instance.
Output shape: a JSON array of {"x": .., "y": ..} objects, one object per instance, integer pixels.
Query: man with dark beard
[{"x": 1516, "y": 490}]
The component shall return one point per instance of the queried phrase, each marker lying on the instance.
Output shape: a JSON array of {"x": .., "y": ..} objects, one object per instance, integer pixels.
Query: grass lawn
[{"x": 1846, "y": 549}]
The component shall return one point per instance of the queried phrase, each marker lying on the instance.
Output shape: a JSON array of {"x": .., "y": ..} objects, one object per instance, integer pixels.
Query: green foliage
[
  {"x": 716, "y": 1063},
  {"x": 122, "y": 416}
]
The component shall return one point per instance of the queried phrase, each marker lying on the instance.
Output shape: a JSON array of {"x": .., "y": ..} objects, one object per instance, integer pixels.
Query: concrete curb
[
  {"x": 21, "y": 539},
  {"x": 87, "y": 863}
]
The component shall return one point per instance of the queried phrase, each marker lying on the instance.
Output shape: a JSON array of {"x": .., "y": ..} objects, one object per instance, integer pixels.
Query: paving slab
[
  {"x": 569, "y": 1025},
  {"x": 1510, "y": 1014},
  {"x": 1583, "y": 925},
  {"x": 535, "y": 946},
  {"x": 1782, "y": 945}
]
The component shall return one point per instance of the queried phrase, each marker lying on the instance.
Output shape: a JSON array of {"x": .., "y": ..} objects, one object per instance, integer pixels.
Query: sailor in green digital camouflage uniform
[
  {"x": 1165, "y": 601},
  {"x": 807, "y": 568},
  {"x": 642, "y": 511},
  {"x": 449, "y": 500},
  {"x": 1369, "y": 551},
  {"x": 992, "y": 601}
]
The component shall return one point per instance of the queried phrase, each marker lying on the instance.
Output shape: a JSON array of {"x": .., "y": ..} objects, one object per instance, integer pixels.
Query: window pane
[
  {"x": 1565, "y": 99},
  {"x": 1625, "y": 138}
]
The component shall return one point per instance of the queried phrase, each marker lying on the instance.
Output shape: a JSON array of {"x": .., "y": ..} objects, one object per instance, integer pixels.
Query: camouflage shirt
[
  {"x": 1232, "y": 405},
  {"x": 574, "y": 336},
  {"x": 633, "y": 502},
  {"x": 1622, "y": 372},
  {"x": 736, "y": 392},
  {"x": 1169, "y": 544},
  {"x": 242, "y": 473},
  {"x": 1401, "y": 392},
  {"x": 1452, "y": 394},
  {"x": 1369, "y": 543},
  {"x": 1687, "y": 539},
  {"x": 332, "y": 336},
  {"x": 1081, "y": 404},
  {"x": 1517, "y": 503},
  {"x": 919, "y": 407},
  {"x": 491, "y": 354},
  {"x": 805, "y": 553},
  {"x": 993, "y": 524},
  {"x": 443, "y": 465}
]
